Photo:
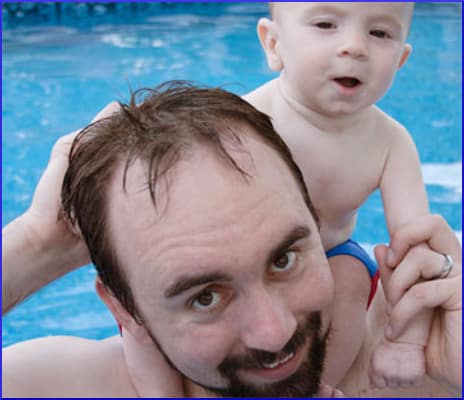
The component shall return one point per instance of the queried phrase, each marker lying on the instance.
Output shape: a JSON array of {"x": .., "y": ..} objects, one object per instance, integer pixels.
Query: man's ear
[
  {"x": 406, "y": 52},
  {"x": 121, "y": 315},
  {"x": 268, "y": 37}
]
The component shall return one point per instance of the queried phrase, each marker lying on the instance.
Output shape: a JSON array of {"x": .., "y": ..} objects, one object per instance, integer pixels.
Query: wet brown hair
[{"x": 169, "y": 120}]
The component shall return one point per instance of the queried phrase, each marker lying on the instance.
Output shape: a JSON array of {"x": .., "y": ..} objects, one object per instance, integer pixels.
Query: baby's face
[{"x": 340, "y": 57}]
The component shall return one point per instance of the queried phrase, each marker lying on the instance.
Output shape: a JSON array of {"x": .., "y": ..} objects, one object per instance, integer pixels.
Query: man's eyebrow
[
  {"x": 298, "y": 233},
  {"x": 187, "y": 282}
]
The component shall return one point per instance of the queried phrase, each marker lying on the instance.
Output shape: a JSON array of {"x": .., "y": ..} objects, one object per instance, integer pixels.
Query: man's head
[
  {"x": 203, "y": 234},
  {"x": 336, "y": 58}
]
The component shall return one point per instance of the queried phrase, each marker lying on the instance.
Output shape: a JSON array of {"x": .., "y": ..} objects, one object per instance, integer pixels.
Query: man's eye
[
  {"x": 284, "y": 262},
  {"x": 206, "y": 300},
  {"x": 325, "y": 25},
  {"x": 380, "y": 34}
]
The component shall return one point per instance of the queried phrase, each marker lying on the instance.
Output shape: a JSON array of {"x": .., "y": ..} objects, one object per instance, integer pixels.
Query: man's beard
[{"x": 303, "y": 383}]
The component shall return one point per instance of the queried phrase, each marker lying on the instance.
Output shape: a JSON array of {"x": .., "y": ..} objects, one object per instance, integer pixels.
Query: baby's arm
[
  {"x": 402, "y": 363},
  {"x": 403, "y": 192}
]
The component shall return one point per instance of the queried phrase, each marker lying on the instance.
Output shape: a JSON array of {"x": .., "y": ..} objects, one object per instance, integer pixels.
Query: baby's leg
[{"x": 352, "y": 288}]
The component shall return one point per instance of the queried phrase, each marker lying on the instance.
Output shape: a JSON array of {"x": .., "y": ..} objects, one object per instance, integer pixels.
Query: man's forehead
[
  {"x": 202, "y": 178},
  {"x": 200, "y": 198}
]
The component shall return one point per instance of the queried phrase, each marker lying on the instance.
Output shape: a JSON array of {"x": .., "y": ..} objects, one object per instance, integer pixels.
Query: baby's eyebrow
[{"x": 388, "y": 18}]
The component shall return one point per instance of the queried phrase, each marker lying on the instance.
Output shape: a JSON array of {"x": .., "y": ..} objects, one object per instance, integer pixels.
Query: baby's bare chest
[{"x": 339, "y": 175}]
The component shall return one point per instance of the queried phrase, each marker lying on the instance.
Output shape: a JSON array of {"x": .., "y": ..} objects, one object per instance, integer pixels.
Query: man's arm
[
  {"x": 27, "y": 266},
  {"x": 38, "y": 247}
]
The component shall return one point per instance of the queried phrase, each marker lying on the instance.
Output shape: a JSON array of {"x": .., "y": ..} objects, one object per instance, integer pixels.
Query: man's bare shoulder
[{"x": 65, "y": 366}]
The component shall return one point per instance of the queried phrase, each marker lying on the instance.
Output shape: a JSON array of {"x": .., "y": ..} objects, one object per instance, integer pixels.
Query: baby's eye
[
  {"x": 206, "y": 300},
  {"x": 284, "y": 263},
  {"x": 378, "y": 33},
  {"x": 325, "y": 25}
]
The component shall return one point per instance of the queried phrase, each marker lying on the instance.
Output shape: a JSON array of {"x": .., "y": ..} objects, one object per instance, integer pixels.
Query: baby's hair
[
  {"x": 271, "y": 9},
  {"x": 412, "y": 5}
]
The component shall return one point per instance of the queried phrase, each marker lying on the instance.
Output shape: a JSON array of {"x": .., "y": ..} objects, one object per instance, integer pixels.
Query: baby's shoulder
[
  {"x": 262, "y": 96},
  {"x": 385, "y": 124}
]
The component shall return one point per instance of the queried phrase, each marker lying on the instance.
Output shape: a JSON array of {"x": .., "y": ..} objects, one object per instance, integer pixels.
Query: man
[{"x": 208, "y": 255}]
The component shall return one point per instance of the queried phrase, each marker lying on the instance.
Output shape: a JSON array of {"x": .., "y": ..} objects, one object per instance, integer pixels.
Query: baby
[{"x": 335, "y": 61}]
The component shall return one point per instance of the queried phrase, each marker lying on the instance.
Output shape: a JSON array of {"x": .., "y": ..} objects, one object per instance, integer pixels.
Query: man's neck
[
  {"x": 150, "y": 374},
  {"x": 193, "y": 390},
  {"x": 337, "y": 123}
]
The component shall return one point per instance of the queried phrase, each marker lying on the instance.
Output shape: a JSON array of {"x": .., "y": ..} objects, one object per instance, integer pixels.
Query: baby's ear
[
  {"x": 267, "y": 34},
  {"x": 406, "y": 52},
  {"x": 124, "y": 318}
]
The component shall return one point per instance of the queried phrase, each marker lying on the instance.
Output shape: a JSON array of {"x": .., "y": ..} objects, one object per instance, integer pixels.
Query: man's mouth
[
  {"x": 278, "y": 362},
  {"x": 278, "y": 369},
  {"x": 348, "y": 82}
]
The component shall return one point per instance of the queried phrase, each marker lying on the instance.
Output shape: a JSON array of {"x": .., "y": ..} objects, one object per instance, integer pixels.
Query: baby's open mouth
[{"x": 347, "y": 81}]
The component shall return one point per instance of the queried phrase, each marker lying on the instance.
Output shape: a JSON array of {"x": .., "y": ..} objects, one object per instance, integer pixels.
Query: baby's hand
[
  {"x": 328, "y": 391},
  {"x": 395, "y": 364}
]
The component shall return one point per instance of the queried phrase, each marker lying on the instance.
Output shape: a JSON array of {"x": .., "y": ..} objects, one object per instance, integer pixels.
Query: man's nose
[
  {"x": 266, "y": 323},
  {"x": 353, "y": 44}
]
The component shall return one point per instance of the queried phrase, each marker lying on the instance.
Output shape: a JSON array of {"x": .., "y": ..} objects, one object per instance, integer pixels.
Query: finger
[
  {"x": 405, "y": 384},
  {"x": 445, "y": 293},
  {"x": 418, "y": 264},
  {"x": 324, "y": 390},
  {"x": 328, "y": 391},
  {"x": 432, "y": 229},
  {"x": 377, "y": 381},
  {"x": 107, "y": 111},
  {"x": 63, "y": 145},
  {"x": 393, "y": 384},
  {"x": 380, "y": 253}
]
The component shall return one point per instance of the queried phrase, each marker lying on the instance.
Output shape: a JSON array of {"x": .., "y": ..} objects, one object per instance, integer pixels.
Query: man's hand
[
  {"x": 47, "y": 231},
  {"x": 415, "y": 284}
]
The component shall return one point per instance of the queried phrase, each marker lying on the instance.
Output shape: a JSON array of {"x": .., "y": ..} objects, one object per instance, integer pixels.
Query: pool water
[{"x": 58, "y": 72}]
